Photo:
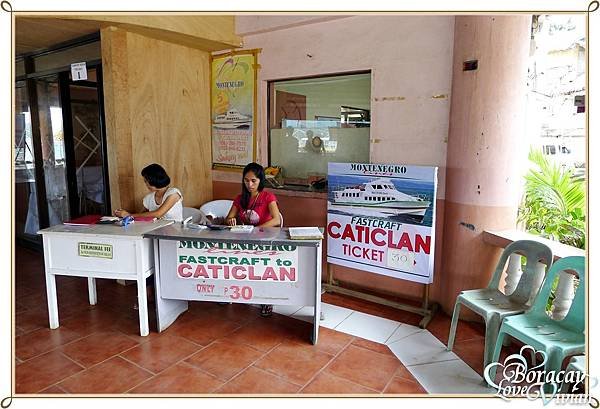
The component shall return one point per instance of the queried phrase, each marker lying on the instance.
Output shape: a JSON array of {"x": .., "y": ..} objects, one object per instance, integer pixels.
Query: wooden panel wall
[{"x": 157, "y": 106}]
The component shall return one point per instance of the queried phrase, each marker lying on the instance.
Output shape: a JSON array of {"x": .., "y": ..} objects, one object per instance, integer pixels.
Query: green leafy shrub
[{"x": 554, "y": 202}]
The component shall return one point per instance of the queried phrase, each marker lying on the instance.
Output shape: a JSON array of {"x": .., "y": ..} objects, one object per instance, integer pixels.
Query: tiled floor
[{"x": 363, "y": 348}]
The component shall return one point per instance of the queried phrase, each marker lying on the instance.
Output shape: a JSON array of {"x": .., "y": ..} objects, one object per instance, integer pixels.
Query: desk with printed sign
[
  {"x": 99, "y": 251},
  {"x": 260, "y": 267}
]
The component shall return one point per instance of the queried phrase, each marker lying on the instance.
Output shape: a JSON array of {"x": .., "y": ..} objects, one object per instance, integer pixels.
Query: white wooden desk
[
  {"x": 229, "y": 278},
  {"x": 99, "y": 251}
]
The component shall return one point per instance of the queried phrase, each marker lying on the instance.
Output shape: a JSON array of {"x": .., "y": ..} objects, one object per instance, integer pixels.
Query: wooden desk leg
[
  {"x": 92, "y": 291},
  {"x": 52, "y": 301}
]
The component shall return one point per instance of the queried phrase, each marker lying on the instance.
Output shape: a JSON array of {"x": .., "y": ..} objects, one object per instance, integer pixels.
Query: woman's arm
[
  {"x": 168, "y": 203},
  {"x": 275, "y": 220},
  {"x": 230, "y": 219}
]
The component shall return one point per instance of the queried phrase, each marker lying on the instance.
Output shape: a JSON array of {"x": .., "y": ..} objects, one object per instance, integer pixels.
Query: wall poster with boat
[
  {"x": 233, "y": 102},
  {"x": 381, "y": 219}
]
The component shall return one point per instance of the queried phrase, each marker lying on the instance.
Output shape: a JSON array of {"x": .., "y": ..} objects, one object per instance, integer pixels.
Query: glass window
[
  {"x": 26, "y": 211},
  {"x": 53, "y": 149},
  {"x": 314, "y": 121}
]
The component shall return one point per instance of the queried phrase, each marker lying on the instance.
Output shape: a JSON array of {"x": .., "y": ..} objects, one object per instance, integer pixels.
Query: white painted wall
[{"x": 410, "y": 58}]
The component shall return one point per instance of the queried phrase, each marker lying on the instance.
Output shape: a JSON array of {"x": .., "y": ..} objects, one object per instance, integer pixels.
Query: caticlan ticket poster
[{"x": 381, "y": 219}]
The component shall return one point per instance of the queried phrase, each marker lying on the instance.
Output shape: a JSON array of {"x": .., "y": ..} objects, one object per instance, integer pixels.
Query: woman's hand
[
  {"x": 121, "y": 213},
  {"x": 231, "y": 221}
]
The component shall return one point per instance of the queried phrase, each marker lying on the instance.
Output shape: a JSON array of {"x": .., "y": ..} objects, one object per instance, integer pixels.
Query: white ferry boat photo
[
  {"x": 379, "y": 196},
  {"x": 232, "y": 119}
]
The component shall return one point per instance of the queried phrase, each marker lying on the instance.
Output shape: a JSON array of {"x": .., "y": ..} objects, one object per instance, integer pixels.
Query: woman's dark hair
[
  {"x": 156, "y": 176},
  {"x": 260, "y": 174}
]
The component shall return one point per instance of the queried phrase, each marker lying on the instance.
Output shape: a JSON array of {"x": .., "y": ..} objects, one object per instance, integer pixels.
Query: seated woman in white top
[{"x": 162, "y": 201}]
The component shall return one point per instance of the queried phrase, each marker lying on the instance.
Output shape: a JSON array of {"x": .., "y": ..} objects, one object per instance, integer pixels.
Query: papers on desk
[
  {"x": 243, "y": 228},
  {"x": 305, "y": 233},
  {"x": 84, "y": 220}
]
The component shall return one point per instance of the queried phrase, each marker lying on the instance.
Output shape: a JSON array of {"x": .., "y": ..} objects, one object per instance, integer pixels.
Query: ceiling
[{"x": 34, "y": 34}]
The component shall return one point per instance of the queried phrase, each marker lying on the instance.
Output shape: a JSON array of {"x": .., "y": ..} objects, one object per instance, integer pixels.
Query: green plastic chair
[
  {"x": 492, "y": 304},
  {"x": 576, "y": 364},
  {"x": 558, "y": 339}
]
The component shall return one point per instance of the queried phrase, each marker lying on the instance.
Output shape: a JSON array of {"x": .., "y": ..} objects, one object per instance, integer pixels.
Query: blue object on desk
[{"x": 127, "y": 220}]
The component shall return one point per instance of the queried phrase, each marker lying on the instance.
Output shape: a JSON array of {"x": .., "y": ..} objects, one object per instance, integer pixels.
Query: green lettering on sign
[{"x": 98, "y": 250}]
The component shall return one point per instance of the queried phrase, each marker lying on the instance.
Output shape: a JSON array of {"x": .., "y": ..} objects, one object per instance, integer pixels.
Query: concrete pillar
[{"x": 486, "y": 146}]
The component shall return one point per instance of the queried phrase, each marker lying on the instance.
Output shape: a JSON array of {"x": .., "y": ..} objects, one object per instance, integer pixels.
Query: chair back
[
  {"x": 216, "y": 208},
  {"x": 280, "y": 220},
  {"x": 575, "y": 318},
  {"x": 192, "y": 212},
  {"x": 534, "y": 252}
]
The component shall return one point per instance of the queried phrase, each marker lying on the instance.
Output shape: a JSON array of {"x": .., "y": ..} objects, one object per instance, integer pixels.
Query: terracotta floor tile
[
  {"x": 161, "y": 352},
  {"x": 22, "y": 290},
  {"x": 292, "y": 329},
  {"x": 326, "y": 383},
  {"x": 43, "y": 340},
  {"x": 378, "y": 310},
  {"x": 31, "y": 320},
  {"x": 373, "y": 346},
  {"x": 43, "y": 371},
  {"x": 202, "y": 329},
  {"x": 332, "y": 342},
  {"x": 113, "y": 376},
  {"x": 130, "y": 326},
  {"x": 97, "y": 347},
  {"x": 403, "y": 385},
  {"x": 54, "y": 389},
  {"x": 403, "y": 372},
  {"x": 259, "y": 335},
  {"x": 471, "y": 352},
  {"x": 89, "y": 321},
  {"x": 440, "y": 328},
  {"x": 224, "y": 359},
  {"x": 254, "y": 380},
  {"x": 20, "y": 307},
  {"x": 294, "y": 362},
  {"x": 180, "y": 378},
  {"x": 238, "y": 313},
  {"x": 365, "y": 367}
]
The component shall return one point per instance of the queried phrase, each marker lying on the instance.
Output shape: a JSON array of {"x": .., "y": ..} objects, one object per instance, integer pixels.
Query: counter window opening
[{"x": 317, "y": 120}]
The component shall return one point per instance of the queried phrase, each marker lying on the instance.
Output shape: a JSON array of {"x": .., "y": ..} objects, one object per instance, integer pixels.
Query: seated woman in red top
[{"x": 255, "y": 206}]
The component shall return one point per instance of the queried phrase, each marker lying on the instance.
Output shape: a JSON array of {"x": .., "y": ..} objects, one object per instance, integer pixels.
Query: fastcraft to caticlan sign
[
  {"x": 381, "y": 218},
  {"x": 234, "y": 269}
]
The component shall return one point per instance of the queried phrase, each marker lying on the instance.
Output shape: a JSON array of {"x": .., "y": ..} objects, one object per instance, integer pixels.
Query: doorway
[{"x": 60, "y": 151}]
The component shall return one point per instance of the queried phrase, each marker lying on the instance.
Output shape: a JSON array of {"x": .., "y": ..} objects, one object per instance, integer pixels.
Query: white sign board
[
  {"x": 236, "y": 272},
  {"x": 79, "y": 71},
  {"x": 381, "y": 219}
]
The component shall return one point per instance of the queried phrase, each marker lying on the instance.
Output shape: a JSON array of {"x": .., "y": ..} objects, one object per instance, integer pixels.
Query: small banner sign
[{"x": 98, "y": 250}]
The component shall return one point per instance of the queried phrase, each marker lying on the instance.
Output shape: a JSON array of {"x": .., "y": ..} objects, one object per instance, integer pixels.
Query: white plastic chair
[
  {"x": 216, "y": 208},
  {"x": 192, "y": 212}
]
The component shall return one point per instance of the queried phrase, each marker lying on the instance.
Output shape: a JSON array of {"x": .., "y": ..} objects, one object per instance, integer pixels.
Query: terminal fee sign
[
  {"x": 240, "y": 272},
  {"x": 381, "y": 219}
]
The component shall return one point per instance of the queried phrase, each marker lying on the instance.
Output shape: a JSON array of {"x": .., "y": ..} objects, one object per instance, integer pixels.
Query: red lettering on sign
[
  {"x": 374, "y": 238},
  {"x": 251, "y": 276},
  {"x": 330, "y": 229},
  {"x": 269, "y": 274},
  {"x": 421, "y": 244},
  {"x": 290, "y": 274},
  {"x": 200, "y": 272},
  {"x": 184, "y": 270},
  {"x": 238, "y": 272},
  {"x": 348, "y": 233}
]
